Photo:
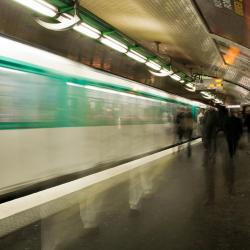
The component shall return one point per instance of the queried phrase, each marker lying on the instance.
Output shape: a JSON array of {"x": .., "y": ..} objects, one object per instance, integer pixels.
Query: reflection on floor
[{"x": 157, "y": 206}]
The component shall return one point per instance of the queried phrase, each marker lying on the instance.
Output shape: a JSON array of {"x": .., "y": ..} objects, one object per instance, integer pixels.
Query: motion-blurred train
[{"x": 59, "y": 117}]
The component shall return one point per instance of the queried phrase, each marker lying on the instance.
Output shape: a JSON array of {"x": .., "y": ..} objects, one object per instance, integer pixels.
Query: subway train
[{"x": 59, "y": 117}]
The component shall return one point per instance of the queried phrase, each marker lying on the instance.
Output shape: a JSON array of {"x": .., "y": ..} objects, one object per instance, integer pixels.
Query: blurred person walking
[
  {"x": 179, "y": 127},
  {"x": 188, "y": 130},
  {"x": 210, "y": 127},
  {"x": 247, "y": 124},
  {"x": 233, "y": 130},
  {"x": 200, "y": 120}
]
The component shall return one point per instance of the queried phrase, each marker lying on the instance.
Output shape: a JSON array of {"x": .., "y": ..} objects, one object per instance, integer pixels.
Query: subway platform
[{"x": 158, "y": 205}]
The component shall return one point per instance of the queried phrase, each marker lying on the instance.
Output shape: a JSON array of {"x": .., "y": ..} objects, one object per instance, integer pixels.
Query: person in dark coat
[
  {"x": 210, "y": 127},
  {"x": 188, "y": 128},
  {"x": 233, "y": 131},
  {"x": 179, "y": 121},
  {"x": 247, "y": 122},
  {"x": 209, "y": 134}
]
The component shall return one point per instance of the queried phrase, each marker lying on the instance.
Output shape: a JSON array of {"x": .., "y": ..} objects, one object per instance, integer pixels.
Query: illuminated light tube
[
  {"x": 163, "y": 72},
  {"x": 206, "y": 95},
  {"x": 39, "y": 6},
  {"x": 191, "y": 89},
  {"x": 218, "y": 101},
  {"x": 11, "y": 70},
  {"x": 166, "y": 72},
  {"x": 189, "y": 85},
  {"x": 112, "y": 43},
  {"x": 64, "y": 17},
  {"x": 175, "y": 77},
  {"x": 136, "y": 56},
  {"x": 233, "y": 106},
  {"x": 87, "y": 30},
  {"x": 153, "y": 65}
]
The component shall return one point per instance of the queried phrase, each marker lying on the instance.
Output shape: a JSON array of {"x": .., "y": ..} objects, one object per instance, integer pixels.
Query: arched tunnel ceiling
[
  {"x": 173, "y": 23},
  {"x": 198, "y": 35}
]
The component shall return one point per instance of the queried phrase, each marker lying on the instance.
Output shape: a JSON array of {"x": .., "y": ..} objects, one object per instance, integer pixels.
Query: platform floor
[{"x": 158, "y": 206}]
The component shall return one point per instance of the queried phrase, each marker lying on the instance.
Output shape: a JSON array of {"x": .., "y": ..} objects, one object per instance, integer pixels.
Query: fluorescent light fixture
[
  {"x": 217, "y": 100},
  {"x": 233, "y": 106},
  {"x": 64, "y": 17},
  {"x": 153, "y": 65},
  {"x": 166, "y": 72},
  {"x": 11, "y": 70},
  {"x": 175, "y": 77},
  {"x": 190, "y": 87},
  {"x": 206, "y": 95},
  {"x": 163, "y": 72},
  {"x": 112, "y": 43},
  {"x": 39, "y": 6},
  {"x": 156, "y": 73},
  {"x": 87, "y": 30},
  {"x": 65, "y": 21},
  {"x": 136, "y": 56}
]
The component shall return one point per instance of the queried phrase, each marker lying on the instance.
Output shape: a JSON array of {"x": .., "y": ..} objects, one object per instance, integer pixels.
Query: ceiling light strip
[
  {"x": 136, "y": 56},
  {"x": 175, "y": 77},
  {"x": 114, "y": 44},
  {"x": 87, "y": 30},
  {"x": 45, "y": 8},
  {"x": 39, "y": 6},
  {"x": 153, "y": 65}
]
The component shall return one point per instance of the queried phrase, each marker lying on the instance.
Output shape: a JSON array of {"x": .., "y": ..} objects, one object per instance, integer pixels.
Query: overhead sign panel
[
  {"x": 209, "y": 84},
  {"x": 228, "y": 18}
]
